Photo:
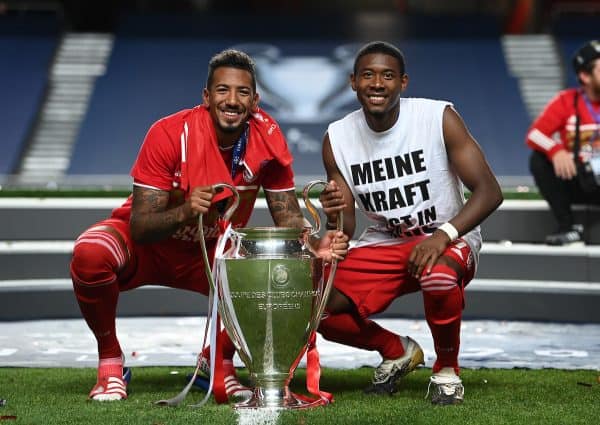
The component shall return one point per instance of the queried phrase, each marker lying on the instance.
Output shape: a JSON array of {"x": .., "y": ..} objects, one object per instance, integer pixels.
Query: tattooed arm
[
  {"x": 285, "y": 209},
  {"x": 151, "y": 221},
  {"x": 286, "y": 212}
]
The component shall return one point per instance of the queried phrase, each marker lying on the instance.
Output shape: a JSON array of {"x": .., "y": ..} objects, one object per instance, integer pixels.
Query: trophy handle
[
  {"x": 216, "y": 290},
  {"x": 313, "y": 211},
  {"x": 228, "y": 213},
  {"x": 340, "y": 226},
  {"x": 236, "y": 199}
]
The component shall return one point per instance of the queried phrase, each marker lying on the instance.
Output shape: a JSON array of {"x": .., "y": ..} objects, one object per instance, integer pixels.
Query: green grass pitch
[{"x": 492, "y": 396}]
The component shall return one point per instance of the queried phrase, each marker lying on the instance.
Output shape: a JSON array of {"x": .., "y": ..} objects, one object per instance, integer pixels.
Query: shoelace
[
  {"x": 389, "y": 367},
  {"x": 384, "y": 369}
]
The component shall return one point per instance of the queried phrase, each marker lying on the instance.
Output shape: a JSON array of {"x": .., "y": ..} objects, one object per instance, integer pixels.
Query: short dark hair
[
  {"x": 381, "y": 47},
  {"x": 231, "y": 58}
]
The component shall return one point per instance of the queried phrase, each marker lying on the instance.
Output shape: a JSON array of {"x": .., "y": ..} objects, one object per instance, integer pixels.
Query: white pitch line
[
  {"x": 36, "y": 247},
  {"x": 477, "y": 285},
  {"x": 509, "y": 248},
  {"x": 528, "y": 286},
  {"x": 75, "y": 203},
  {"x": 60, "y": 203},
  {"x": 499, "y": 248},
  {"x": 52, "y": 285}
]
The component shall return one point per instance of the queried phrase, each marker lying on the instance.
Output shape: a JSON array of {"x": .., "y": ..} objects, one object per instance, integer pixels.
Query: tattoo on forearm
[
  {"x": 285, "y": 209},
  {"x": 153, "y": 198},
  {"x": 150, "y": 220}
]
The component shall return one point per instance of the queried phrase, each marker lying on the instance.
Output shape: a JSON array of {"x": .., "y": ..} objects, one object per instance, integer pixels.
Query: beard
[{"x": 230, "y": 128}]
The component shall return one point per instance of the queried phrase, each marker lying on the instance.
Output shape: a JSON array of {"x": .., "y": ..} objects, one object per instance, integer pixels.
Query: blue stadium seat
[
  {"x": 26, "y": 49},
  {"x": 571, "y": 31},
  {"x": 568, "y": 46},
  {"x": 149, "y": 77},
  {"x": 473, "y": 74}
]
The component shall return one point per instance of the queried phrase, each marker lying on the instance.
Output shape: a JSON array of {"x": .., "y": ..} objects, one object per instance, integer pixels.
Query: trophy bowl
[
  {"x": 270, "y": 288},
  {"x": 270, "y": 292}
]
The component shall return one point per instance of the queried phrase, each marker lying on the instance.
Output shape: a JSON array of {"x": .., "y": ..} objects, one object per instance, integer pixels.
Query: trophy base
[{"x": 278, "y": 399}]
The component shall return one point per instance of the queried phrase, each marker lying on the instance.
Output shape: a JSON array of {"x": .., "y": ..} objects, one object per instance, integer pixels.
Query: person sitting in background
[{"x": 565, "y": 138}]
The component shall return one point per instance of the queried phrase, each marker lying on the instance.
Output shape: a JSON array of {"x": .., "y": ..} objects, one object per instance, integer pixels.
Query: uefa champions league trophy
[{"x": 272, "y": 294}]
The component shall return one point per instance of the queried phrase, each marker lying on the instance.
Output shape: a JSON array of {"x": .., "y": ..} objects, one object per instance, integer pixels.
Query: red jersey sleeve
[
  {"x": 278, "y": 177},
  {"x": 157, "y": 159},
  {"x": 552, "y": 120}
]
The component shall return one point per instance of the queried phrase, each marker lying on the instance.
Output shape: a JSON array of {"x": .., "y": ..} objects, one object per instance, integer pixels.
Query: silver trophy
[{"x": 272, "y": 294}]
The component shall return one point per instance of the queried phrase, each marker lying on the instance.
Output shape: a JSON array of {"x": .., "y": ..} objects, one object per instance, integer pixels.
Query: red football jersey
[
  {"x": 158, "y": 166},
  {"x": 559, "y": 118}
]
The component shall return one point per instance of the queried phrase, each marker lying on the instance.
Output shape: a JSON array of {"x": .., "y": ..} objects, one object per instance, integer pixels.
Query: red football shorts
[
  {"x": 374, "y": 276},
  {"x": 170, "y": 263}
]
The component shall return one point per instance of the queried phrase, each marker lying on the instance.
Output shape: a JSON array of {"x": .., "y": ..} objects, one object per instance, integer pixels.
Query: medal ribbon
[
  {"x": 238, "y": 151},
  {"x": 595, "y": 116}
]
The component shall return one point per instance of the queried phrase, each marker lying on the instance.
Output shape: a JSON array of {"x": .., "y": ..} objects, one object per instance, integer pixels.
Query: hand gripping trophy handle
[
  {"x": 315, "y": 230},
  {"x": 234, "y": 335},
  {"x": 228, "y": 213},
  {"x": 271, "y": 297},
  {"x": 175, "y": 401},
  {"x": 340, "y": 227}
]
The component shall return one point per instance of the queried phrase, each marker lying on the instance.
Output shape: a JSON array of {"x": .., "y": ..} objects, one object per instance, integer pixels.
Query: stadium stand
[
  {"x": 568, "y": 45},
  {"x": 516, "y": 280},
  {"x": 148, "y": 77},
  {"x": 26, "y": 49},
  {"x": 158, "y": 66}
]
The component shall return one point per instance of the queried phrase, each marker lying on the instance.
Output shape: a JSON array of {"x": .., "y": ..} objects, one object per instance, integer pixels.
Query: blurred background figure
[
  {"x": 74, "y": 97},
  {"x": 566, "y": 168}
]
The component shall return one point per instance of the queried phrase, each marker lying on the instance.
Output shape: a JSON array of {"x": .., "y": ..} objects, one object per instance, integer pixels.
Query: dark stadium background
[{"x": 83, "y": 80}]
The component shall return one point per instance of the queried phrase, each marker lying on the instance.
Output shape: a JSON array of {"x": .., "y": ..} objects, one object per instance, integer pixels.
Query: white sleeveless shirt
[{"x": 400, "y": 178}]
